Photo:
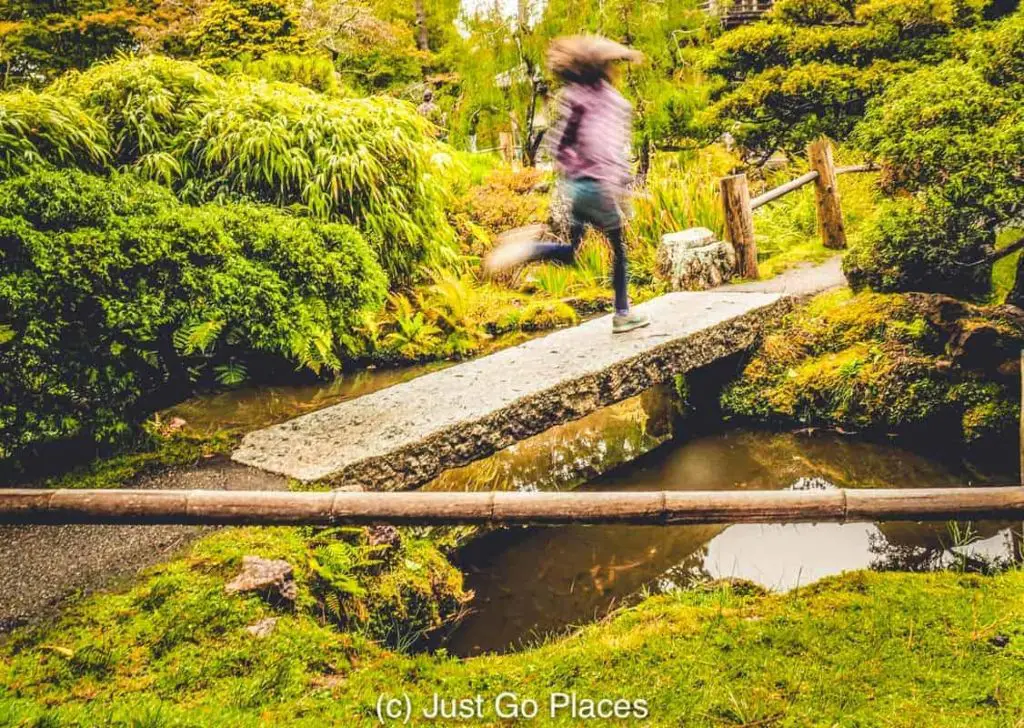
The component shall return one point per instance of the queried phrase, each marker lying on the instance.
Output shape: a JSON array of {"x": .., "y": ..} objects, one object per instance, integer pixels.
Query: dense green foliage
[
  {"x": 113, "y": 293},
  {"x": 370, "y": 162},
  {"x": 915, "y": 365},
  {"x": 252, "y": 28},
  {"x": 40, "y": 40},
  {"x": 811, "y": 67},
  {"x": 951, "y": 138}
]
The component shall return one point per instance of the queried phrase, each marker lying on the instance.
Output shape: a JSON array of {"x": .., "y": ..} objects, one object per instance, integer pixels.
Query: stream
[{"x": 531, "y": 583}]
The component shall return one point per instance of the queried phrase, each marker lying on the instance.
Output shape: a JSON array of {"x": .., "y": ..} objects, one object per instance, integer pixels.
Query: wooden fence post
[
  {"x": 826, "y": 192},
  {"x": 739, "y": 223}
]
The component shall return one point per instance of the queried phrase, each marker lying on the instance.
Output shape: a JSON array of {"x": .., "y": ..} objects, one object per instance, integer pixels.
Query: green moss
[
  {"x": 881, "y": 362},
  {"x": 541, "y": 315},
  {"x": 1004, "y": 272},
  {"x": 864, "y": 648},
  {"x": 178, "y": 636},
  {"x": 155, "y": 453}
]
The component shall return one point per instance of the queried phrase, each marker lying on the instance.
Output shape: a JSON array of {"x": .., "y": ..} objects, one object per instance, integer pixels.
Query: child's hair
[{"x": 586, "y": 59}]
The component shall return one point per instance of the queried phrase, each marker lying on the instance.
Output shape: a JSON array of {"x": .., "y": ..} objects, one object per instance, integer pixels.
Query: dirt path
[{"x": 41, "y": 566}]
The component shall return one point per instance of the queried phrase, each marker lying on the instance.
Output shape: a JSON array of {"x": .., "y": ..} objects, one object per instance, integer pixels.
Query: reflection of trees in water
[
  {"x": 936, "y": 547},
  {"x": 685, "y": 574},
  {"x": 568, "y": 455}
]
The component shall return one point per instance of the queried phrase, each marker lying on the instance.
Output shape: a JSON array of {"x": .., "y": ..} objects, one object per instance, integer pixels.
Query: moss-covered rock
[{"x": 906, "y": 364}]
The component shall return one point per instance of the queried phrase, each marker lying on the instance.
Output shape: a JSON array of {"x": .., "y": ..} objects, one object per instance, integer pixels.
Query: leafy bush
[
  {"x": 914, "y": 246},
  {"x": 114, "y": 295},
  {"x": 145, "y": 103},
  {"x": 36, "y": 128},
  {"x": 370, "y": 162},
  {"x": 813, "y": 65},
  {"x": 1000, "y": 53},
  {"x": 952, "y": 147},
  {"x": 506, "y": 199},
  {"x": 313, "y": 72},
  {"x": 233, "y": 28},
  {"x": 812, "y": 12}
]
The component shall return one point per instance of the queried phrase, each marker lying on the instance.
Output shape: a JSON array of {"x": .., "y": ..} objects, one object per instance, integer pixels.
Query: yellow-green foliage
[
  {"x": 877, "y": 362},
  {"x": 892, "y": 649},
  {"x": 541, "y": 315},
  {"x": 40, "y": 128},
  {"x": 505, "y": 199},
  {"x": 314, "y": 72},
  {"x": 373, "y": 162},
  {"x": 234, "y": 28}
]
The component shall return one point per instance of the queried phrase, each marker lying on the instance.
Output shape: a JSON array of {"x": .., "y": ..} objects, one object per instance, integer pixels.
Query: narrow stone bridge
[{"x": 406, "y": 435}]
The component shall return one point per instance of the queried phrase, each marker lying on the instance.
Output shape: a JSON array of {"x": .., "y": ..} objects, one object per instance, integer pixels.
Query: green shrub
[
  {"x": 813, "y": 65},
  {"x": 145, "y": 103},
  {"x": 232, "y": 28},
  {"x": 940, "y": 123},
  {"x": 115, "y": 296},
  {"x": 1000, "y": 53},
  {"x": 952, "y": 148},
  {"x": 506, "y": 199},
  {"x": 370, "y": 162},
  {"x": 811, "y": 12},
  {"x": 313, "y": 72},
  {"x": 913, "y": 246},
  {"x": 40, "y": 128}
]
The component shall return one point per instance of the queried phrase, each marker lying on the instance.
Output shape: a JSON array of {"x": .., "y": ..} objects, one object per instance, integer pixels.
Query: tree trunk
[
  {"x": 422, "y": 41},
  {"x": 739, "y": 223}
]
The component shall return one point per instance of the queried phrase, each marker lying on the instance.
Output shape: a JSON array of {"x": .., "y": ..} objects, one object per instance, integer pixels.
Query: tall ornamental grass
[
  {"x": 40, "y": 128},
  {"x": 370, "y": 162}
]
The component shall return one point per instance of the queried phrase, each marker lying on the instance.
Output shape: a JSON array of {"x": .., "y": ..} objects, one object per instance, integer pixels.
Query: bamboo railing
[
  {"x": 739, "y": 207},
  {"x": 210, "y": 507}
]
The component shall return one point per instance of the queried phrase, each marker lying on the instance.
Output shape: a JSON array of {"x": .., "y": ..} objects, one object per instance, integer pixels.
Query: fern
[{"x": 231, "y": 375}]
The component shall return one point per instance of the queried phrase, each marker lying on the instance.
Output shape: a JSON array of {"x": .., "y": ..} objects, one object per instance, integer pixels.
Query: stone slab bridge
[{"x": 406, "y": 435}]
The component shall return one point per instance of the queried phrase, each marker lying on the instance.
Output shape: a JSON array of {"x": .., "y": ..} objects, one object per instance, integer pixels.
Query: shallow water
[
  {"x": 250, "y": 408},
  {"x": 531, "y": 583}
]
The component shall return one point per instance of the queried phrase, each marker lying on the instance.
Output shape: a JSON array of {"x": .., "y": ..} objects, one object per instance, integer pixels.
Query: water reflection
[
  {"x": 534, "y": 582},
  {"x": 250, "y": 408},
  {"x": 571, "y": 454}
]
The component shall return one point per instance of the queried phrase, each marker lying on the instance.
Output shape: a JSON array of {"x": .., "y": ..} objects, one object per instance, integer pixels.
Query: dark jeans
[{"x": 592, "y": 205}]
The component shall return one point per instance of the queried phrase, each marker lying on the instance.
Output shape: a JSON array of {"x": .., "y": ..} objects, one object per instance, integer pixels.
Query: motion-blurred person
[{"x": 590, "y": 144}]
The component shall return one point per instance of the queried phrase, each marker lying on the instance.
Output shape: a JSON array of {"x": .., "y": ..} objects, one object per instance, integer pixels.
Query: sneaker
[
  {"x": 513, "y": 248},
  {"x": 623, "y": 322}
]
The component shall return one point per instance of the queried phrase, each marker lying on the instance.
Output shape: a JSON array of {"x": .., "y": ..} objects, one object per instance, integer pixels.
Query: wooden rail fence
[
  {"x": 210, "y": 507},
  {"x": 739, "y": 207}
]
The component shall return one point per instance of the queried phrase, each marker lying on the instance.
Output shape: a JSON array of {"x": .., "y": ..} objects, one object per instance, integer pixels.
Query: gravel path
[{"x": 41, "y": 566}]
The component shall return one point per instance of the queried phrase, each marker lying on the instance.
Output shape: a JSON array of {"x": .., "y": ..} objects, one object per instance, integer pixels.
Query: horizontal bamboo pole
[
  {"x": 804, "y": 179},
  {"x": 782, "y": 190},
  {"x": 211, "y": 507},
  {"x": 869, "y": 167}
]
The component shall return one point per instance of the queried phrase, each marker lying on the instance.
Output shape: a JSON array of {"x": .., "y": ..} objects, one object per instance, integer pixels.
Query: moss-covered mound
[
  {"x": 908, "y": 364},
  {"x": 863, "y": 649},
  {"x": 179, "y": 636}
]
